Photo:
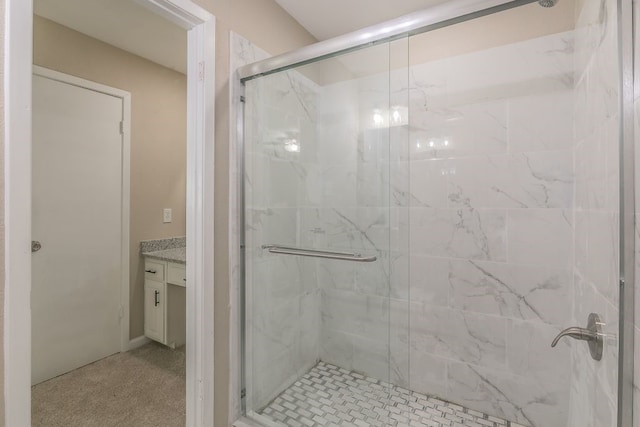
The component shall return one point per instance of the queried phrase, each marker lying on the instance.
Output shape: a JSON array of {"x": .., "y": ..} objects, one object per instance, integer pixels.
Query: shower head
[{"x": 548, "y": 3}]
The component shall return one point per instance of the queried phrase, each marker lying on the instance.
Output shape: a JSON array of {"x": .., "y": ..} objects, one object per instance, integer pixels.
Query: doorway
[
  {"x": 80, "y": 223},
  {"x": 200, "y": 82}
]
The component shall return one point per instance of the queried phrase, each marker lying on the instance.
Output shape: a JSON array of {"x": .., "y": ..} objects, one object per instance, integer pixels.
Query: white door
[{"x": 77, "y": 218}]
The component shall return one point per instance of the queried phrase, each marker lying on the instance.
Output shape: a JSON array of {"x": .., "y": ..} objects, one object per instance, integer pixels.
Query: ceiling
[
  {"x": 124, "y": 24},
  {"x": 330, "y": 18},
  {"x": 130, "y": 26}
]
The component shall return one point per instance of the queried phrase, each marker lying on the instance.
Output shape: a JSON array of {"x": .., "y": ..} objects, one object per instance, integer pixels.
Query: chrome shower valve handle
[{"x": 592, "y": 334}]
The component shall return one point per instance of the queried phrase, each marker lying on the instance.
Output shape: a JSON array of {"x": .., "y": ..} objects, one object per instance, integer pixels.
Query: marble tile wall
[
  {"x": 593, "y": 400},
  {"x": 490, "y": 232},
  {"x": 359, "y": 155},
  {"x": 354, "y": 217}
]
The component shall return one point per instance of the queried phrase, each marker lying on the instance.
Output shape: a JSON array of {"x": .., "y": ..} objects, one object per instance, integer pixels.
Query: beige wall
[
  {"x": 270, "y": 27},
  {"x": 509, "y": 26},
  {"x": 158, "y": 134},
  {"x": 261, "y": 21}
]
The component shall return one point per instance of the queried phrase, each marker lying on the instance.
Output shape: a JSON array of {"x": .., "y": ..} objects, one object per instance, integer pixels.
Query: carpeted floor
[{"x": 143, "y": 387}]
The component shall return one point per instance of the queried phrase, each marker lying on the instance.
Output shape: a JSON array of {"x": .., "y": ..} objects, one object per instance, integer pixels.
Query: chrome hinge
[
  {"x": 243, "y": 393},
  {"x": 201, "y": 71},
  {"x": 122, "y": 127},
  {"x": 242, "y": 98},
  {"x": 121, "y": 312}
]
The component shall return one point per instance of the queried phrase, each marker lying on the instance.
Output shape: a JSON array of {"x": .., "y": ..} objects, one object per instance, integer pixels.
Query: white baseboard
[
  {"x": 258, "y": 421},
  {"x": 138, "y": 342},
  {"x": 245, "y": 422}
]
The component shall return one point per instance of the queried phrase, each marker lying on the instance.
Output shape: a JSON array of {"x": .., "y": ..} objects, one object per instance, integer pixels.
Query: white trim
[
  {"x": 125, "y": 296},
  {"x": 18, "y": 23},
  {"x": 83, "y": 83},
  {"x": 200, "y": 215},
  {"x": 183, "y": 13},
  {"x": 138, "y": 342},
  {"x": 246, "y": 422},
  {"x": 126, "y": 182},
  {"x": 200, "y": 202}
]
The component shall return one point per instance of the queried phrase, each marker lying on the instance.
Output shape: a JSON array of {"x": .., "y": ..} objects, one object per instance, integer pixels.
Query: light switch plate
[{"x": 166, "y": 215}]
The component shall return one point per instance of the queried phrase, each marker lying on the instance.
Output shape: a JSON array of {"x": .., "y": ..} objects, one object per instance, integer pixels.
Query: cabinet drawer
[
  {"x": 154, "y": 270},
  {"x": 176, "y": 274}
]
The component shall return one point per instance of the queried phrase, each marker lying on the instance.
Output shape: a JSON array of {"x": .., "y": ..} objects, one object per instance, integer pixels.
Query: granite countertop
[
  {"x": 172, "y": 249},
  {"x": 178, "y": 255}
]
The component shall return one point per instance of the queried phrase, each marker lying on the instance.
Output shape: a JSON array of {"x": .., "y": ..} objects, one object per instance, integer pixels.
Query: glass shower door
[
  {"x": 318, "y": 225},
  {"x": 514, "y": 207},
  {"x": 481, "y": 170}
]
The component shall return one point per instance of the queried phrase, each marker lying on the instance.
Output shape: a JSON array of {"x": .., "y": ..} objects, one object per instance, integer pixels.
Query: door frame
[
  {"x": 126, "y": 181},
  {"x": 18, "y": 38}
]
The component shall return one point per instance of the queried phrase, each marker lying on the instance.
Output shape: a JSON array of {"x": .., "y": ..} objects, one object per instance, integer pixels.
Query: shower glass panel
[
  {"x": 322, "y": 162},
  {"x": 513, "y": 207},
  {"x": 479, "y": 164}
]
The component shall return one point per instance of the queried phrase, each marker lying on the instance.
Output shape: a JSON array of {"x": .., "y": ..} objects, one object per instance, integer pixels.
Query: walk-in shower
[{"x": 427, "y": 204}]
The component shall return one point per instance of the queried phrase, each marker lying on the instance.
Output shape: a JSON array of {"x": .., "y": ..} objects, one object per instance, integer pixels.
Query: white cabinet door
[
  {"x": 154, "y": 302},
  {"x": 77, "y": 216},
  {"x": 176, "y": 274}
]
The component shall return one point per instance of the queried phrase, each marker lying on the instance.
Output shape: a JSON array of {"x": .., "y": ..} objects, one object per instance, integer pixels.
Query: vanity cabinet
[
  {"x": 176, "y": 274},
  {"x": 165, "y": 302},
  {"x": 154, "y": 310}
]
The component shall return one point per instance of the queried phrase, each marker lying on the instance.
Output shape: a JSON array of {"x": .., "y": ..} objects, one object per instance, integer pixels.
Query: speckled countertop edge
[
  {"x": 178, "y": 255},
  {"x": 171, "y": 249},
  {"x": 162, "y": 244}
]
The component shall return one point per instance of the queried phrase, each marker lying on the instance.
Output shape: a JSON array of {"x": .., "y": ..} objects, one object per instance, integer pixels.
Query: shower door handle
[
  {"x": 345, "y": 256},
  {"x": 592, "y": 334}
]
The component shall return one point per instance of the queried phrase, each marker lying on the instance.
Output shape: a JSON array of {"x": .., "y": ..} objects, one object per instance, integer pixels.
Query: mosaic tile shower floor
[{"x": 330, "y": 396}]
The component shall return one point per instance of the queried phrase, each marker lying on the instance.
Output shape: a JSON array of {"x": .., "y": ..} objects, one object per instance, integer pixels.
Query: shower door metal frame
[
  {"x": 435, "y": 17},
  {"x": 239, "y": 91},
  {"x": 430, "y": 19},
  {"x": 627, "y": 183}
]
